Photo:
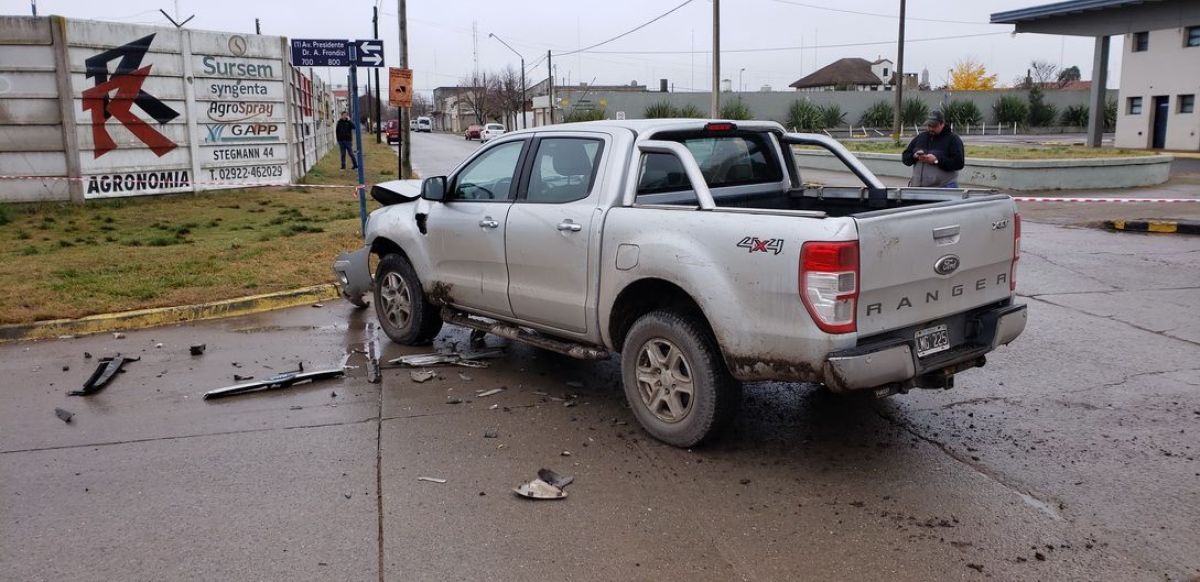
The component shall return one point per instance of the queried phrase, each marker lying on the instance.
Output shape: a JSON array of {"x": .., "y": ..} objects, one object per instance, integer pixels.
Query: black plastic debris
[
  {"x": 281, "y": 380},
  {"x": 64, "y": 415},
  {"x": 104, "y": 373},
  {"x": 241, "y": 378},
  {"x": 197, "y": 349}
]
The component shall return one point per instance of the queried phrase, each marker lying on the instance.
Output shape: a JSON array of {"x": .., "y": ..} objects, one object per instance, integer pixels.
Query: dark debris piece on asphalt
[
  {"x": 104, "y": 373},
  {"x": 197, "y": 349},
  {"x": 65, "y": 415}
]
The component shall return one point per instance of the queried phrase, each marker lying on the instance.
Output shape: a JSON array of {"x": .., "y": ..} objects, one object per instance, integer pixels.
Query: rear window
[
  {"x": 495, "y": 126},
  {"x": 728, "y": 159}
]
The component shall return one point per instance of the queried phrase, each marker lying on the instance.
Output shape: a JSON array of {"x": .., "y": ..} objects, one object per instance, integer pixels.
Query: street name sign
[{"x": 311, "y": 52}]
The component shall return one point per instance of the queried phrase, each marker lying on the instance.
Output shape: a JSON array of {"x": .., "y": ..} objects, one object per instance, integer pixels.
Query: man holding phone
[{"x": 936, "y": 155}]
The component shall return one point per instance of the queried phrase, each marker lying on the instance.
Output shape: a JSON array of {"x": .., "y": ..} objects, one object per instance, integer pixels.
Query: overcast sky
[{"x": 441, "y": 48}]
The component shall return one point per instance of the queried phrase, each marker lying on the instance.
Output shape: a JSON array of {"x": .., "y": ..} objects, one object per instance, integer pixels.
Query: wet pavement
[{"x": 1071, "y": 456}]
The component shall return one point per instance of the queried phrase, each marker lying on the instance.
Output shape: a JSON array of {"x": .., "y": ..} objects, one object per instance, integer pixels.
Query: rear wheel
[
  {"x": 403, "y": 310},
  {"x": 675, "y": 380}
]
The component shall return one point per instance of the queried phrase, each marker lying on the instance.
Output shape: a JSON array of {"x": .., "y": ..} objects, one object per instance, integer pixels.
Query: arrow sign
[{"x": 369, "y": 53}]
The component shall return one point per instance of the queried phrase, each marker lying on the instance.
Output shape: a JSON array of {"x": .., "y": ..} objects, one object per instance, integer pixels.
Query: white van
[{"x": 425, "y": 124}]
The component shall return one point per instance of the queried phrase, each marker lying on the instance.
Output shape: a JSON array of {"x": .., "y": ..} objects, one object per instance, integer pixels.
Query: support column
[{"x": 1097, "y": 100}]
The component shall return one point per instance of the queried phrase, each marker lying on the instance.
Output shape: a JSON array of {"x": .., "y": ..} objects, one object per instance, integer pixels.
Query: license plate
[{"x": 932, "y": 340}]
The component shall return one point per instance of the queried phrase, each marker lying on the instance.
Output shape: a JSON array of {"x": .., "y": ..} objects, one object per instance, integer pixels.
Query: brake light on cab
[
  {"x": 1012, "y": 274},
  {"x": 829, "y": 284}
]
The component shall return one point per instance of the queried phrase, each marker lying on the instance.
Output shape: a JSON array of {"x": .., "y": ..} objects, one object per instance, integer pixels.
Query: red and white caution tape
[
  {"x": 1108, "y": 200},
  {"x": 356, "y": 187}
]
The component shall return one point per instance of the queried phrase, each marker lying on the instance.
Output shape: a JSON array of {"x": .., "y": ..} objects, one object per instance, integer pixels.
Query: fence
[{"x": 105, "y": 110}]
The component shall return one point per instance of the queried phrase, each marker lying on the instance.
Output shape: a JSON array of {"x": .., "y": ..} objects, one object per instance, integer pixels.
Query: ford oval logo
[{"x": 946, "y": 265}]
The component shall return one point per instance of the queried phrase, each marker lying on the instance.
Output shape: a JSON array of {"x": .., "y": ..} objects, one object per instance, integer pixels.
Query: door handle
[
  {"x": 488, "y": 222},
  {"x": 569, "y": 225}
]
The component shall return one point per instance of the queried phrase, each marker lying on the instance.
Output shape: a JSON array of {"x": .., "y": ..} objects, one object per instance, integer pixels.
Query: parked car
[
  {"x": 473, "y": 131},
  {"x": 491, "y": 131},
  {"x": 391, "y": 128},
  {"x": 425, "y": 124},
  {"x": 412, "y": 125},
  {"x": 695, "y": 250}
]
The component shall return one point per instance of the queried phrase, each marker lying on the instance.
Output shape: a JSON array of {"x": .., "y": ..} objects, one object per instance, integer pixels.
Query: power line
[
  {"x": 876, "y": 14},
  {"x": 792, "y": 48},
  {"x": 628, "y": 32}
]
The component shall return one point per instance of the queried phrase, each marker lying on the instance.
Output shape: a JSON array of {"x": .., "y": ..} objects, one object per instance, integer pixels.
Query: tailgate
[{"x": 920, "y": 264}]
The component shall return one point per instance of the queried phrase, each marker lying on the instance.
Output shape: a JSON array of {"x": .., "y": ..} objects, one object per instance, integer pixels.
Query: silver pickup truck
[{"x": 695, "y": 250}]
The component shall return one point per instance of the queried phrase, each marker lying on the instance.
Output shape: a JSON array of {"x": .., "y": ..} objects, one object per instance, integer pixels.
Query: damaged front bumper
[
  {"x": 891, "y": 364},
  {"x": 352, "y": 272}
]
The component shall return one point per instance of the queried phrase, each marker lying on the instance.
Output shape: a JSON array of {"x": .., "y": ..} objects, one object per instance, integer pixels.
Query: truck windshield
[{"x": 726, "y": 159}]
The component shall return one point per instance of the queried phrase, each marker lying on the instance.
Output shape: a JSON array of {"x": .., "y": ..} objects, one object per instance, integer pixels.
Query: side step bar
[{"x": 575, "y": 350}]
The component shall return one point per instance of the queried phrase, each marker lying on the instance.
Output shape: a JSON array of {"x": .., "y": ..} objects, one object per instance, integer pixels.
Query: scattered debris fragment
[
  {"x": 374, "y": 373},
  {"x": 87, "y": 355},
  {"x": 494, "y": 407},
  {"x": 281, "y": 380},
  {"x": 105, "y": 371},
  {"x": 158, "y": 345},
  {"x": 64, "y": 415},
  {"x": 744, "y": 481},
  {"x": 565, "y": 453},
  {"x": 431, "y": 480},
  {"x": 492, "y": 392},
  {"x": 241, "y": 378},
  {"x": 464, "y": 377},
  {"x": 548, "y": 485},
  {"x": 574, "y": 384},
  {"x": 422, "y": 376},
  {"x": 569, "y": 404},
  {"x": 468, "y": 359},
  {"x": 453, "y": 400},
  {"x": 490, "y": 433},
  {"x": 118, "y": 335},
  {"x": 66, "y": 368},
  {"x": 318, "y": 305},
  {"x": 976, "y": 567},
  {"x": 197, "y": 349}
]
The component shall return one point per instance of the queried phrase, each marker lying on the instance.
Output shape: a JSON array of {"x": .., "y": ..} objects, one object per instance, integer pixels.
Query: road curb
[
  {"x": 144, "y": 318},
  {"x": 1159, "y": 226}
]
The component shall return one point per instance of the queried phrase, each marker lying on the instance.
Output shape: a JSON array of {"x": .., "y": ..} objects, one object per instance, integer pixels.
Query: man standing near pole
[
  {"x": 936, "y": 155},
  {"x": 345, "y": 138}
]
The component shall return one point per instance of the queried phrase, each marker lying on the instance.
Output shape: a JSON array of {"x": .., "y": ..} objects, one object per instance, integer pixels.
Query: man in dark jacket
[
  {"x": 936, "y": 155},
  {"x": 345, "y": 139}
]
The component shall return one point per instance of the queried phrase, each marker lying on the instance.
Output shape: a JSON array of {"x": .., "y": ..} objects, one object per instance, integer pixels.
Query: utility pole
[
  {"x": 716, "y": 61},
  {"x": 899, "y": 77},
  {"x": 492, "y": 35},
  {"x": 378, "y": 113},
  {"x": 257, "y": 26},
  {"x": 33, "y": 4},
  {"x": 550, "y": 70},
  {"x": 405, "y": 135}
]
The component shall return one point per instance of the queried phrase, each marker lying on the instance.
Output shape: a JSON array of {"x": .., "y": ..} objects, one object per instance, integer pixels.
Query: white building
[
  {"x": 1160, "y": 65},
  {"x": 850, "y": 74}
]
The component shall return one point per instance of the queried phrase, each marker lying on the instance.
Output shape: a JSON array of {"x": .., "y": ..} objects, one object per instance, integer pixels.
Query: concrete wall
[
  {"x": 774, "y": 105},
  {"x": 1167, "y": 68},
  {"x": 126, "y": 110}
]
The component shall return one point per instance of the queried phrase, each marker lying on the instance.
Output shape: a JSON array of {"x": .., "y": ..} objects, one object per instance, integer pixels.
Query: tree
[
  {"x": 1043, "y": 72},
  {"x": 479, "y": 94},
  {"x": 508, "y": 92},
  {"x": 1068, "y": 75},
  {"x": 970, "y": 75},
  {"x": 422, "y": 105}
]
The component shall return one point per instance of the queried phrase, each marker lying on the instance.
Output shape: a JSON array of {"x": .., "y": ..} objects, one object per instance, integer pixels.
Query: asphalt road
[{"x": 1072, "y": 455}]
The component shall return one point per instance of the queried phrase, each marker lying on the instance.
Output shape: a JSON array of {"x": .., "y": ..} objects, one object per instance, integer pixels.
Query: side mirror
[{"x": 434, "y": 188}]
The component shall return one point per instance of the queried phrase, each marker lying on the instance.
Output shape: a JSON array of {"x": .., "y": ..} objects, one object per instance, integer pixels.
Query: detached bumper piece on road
[
  {"x": 890, "y": 364},
  {"x": 105, "y": 371},
  {"x": 282, "y": 380},
  {"x": 1160, "y": 226}
]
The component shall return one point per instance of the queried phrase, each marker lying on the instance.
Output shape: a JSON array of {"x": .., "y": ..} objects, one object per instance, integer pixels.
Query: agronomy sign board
[{"x": 144, "y": 129}]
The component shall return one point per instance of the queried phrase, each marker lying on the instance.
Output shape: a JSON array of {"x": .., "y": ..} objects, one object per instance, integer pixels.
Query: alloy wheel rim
[
  {"x": 664, "y": 380},
  {"x": 396, "y": 300}
]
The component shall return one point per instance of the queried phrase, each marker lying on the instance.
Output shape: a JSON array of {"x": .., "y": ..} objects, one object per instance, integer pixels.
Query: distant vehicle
[
  {"x": 491, "y": 131},
  {"x": 425, "y": 124},
  {"x": 473, "y": 132},
  {"x": 412, "y": 125},
  {"x": 391, "y": 128}
]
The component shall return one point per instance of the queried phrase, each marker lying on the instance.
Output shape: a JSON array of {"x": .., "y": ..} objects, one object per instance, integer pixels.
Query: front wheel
[
  {"x": 403, "y": 310},
  {"x": 675, "y": 380}
]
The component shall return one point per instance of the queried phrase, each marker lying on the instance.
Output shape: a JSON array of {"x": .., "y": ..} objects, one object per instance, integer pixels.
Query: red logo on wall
[{"x": 114, "y": 95}]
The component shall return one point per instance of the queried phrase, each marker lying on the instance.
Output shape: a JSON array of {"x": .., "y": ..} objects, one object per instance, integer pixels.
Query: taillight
[
  {"x": 829, "y": 284},
  {"x": 719, "y": 126},
  {"x": 1012, "y": 274}
]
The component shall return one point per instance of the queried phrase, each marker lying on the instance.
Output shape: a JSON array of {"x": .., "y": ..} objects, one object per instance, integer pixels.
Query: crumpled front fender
[{"x": 353, "y": 273}]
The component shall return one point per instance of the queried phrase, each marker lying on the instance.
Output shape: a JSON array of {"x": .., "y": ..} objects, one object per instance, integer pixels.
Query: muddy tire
[
  {"x": 401, "y": 307},
  {"x": 675, "y": 380}
]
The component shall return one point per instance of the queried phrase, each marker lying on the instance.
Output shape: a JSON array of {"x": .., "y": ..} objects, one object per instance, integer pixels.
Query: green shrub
[
  {"x": 803, "y": 115},
  {"x": 1110, "y": 115},
  {"x": 1075, "y": 116},
  {"x": 5, "y": 218},
  {"x": 659, "y": 110},
  {"x": 1041, "y": 114},
  {"x": 578, "y": 115},
  {"x": 879, "y": 114},
  {"x": 961, "y": 112},
  {"x": 913, "y": 112},
  {"x": 736, "y": 110},
  {"x": 832, "y": 116},
  {"x": 690, "y": 111},
  {"x": 1010, "y": 109}
]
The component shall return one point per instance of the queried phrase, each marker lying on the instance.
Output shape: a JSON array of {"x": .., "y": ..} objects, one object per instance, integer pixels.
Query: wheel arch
[{"x": 645, "y": 295}]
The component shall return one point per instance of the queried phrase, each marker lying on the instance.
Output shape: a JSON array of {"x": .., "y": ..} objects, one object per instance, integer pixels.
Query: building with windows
[
  {"x": 850, "y": 74},
  {"x": 1160, "y": 64}
]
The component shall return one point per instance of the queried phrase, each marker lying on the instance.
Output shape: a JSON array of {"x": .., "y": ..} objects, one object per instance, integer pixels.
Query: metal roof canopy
[{"x": 1101, "y": 17}]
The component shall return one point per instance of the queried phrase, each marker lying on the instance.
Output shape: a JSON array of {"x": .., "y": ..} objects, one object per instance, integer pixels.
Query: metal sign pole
[{"x": 358, "y": 144}]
